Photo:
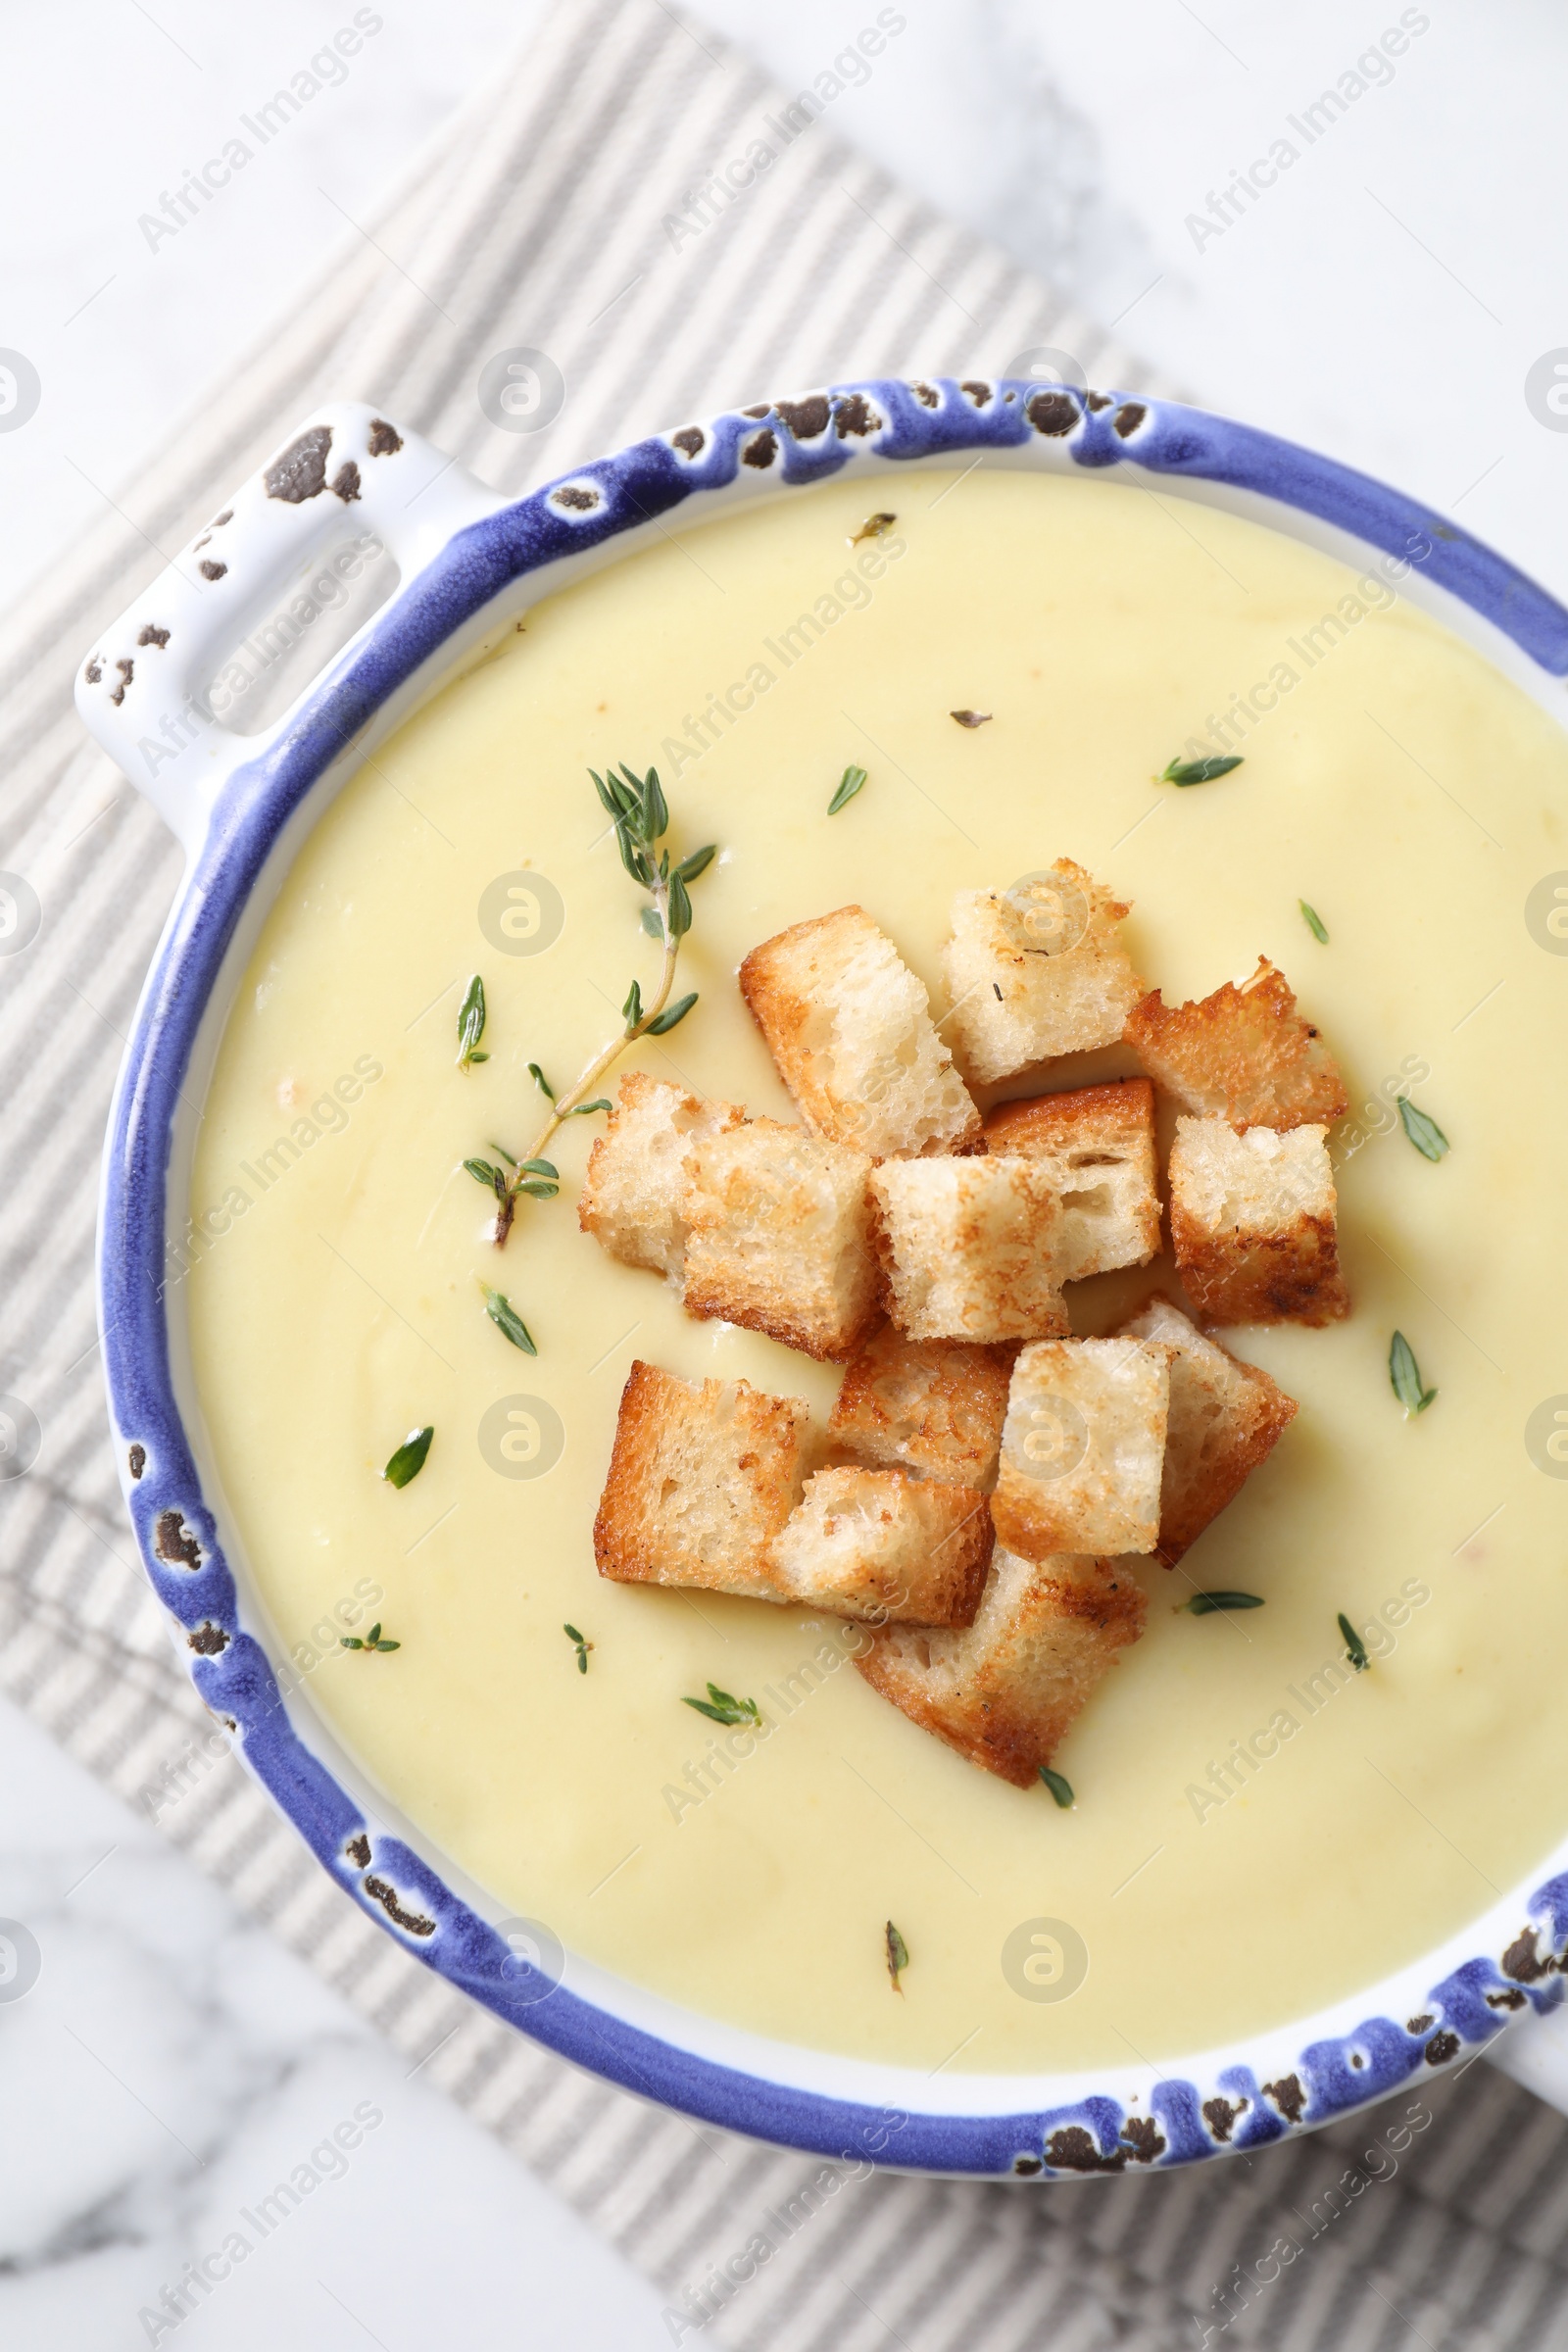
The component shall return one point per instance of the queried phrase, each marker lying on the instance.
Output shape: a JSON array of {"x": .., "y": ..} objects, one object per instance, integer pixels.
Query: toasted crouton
[
  {"x": 1253, "y": 1223},
  {"x": 780, "y": 1236},
  {"x": 703, "y": 1477},
  {"x": 1083, "y": 1447},
  {"x": 1037, "y": 970},
  {"x": 970, "y": 1247},
  {"x": 1005, "y": 1692},
  {"x": 931, "y": 1406},
  {"x": 1099, "y": 1143},
  {"x": 850, "y": 1027},
  {"x": 634, "y": 1200},
  {"x": 879, "y": 1544},
  {"x": 1243, "y": 1053},
  {"x": 1225, "y": 1419}
]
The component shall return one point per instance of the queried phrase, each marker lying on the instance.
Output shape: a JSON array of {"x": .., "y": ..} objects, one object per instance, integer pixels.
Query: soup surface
[{"x": 1413, "y": 798}]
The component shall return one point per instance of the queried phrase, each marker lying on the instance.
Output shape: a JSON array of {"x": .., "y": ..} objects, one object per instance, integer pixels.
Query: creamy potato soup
[{"x": 1257, "y": 1828}]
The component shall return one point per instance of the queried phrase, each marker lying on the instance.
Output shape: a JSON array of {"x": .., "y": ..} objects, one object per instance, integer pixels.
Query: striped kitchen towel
[{"x": 604, "y": 200}]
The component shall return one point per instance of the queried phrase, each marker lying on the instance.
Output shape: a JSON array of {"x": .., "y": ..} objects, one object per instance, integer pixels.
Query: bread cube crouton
[
  {"x": 1037, "y": 970},
  {"x": 850, "y": 1027},
  {"x": 703, "y": 1477},
  {"x": 1253, "y": 1223},
  {"x": 879, "y": 1544},
  {"x": 1099, "y": 1143},
  {"x": 1004, "y": 1691},
  {"x": 780, "y": 1236},
  {"x": 931, "y": 1406},
  {"x": 1083, "y": 1447},
  {"x": 634, "y": 1198},
  {"x": 1225, "y": 1419},
  {"x": 970, "y": 1247},
  {"x": 1243, "y": 1053}
]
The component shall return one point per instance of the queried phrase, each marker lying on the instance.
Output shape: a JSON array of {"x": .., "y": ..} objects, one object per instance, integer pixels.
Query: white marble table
[{"x": 1386, "y": 299}]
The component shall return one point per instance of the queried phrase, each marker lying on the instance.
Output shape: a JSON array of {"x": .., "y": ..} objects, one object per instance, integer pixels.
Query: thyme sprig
[
  {"x": 720, "y": 1708},
  {"x": 372, "y": 1640},
  {"x": 637, "y": 809},
  {"x": 584, "y": 1645}
]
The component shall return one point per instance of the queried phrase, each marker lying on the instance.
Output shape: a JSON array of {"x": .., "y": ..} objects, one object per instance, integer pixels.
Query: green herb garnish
[
  {"x": 850, "y": 784},
  {"x": 638, "y": 810},
  {"x": 1354, "y": 1647},
  {"x": 1061, "y": 1790},
  {"x": 720, "y": 1708},
  {"x": 471, "y": 1025},
  {"x": 1404, "y": 1376},
  {"x": 898, "y": 1954},
  {"x": 971, "y": 718},
  {"x": 507, "y": 1320},
  {"x": 661, "y": 1023},
  {"x": 1203, "y": 1604},
  {"x": 873, "y": 527},
  {"x": 1314, "y": 923},
  {"x": 1426, "y": 1135},
  {"x": 583, "y": 1646},
  {"x": 409, "y": 1459},
  {"x": 1199, "y": 771},
  {"x": 372, "y": 1640}
]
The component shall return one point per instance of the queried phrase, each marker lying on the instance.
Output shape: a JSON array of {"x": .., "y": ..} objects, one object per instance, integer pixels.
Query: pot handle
[
  {"x": 345, "y": 492},
  {"x": 1533, "y": 2053}
]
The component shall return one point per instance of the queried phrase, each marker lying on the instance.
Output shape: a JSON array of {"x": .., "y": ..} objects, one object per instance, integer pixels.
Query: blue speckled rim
[{"x": 791, "y": 443}]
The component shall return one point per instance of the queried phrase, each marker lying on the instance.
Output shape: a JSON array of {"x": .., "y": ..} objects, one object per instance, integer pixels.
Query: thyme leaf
[
  {"x": 471, "y": 1025},
  {"x": 541, "y": 1082},
  {"x": 875, "y": 527},
  {"x": 507, "y": 1320},
  {"x": 1061, "y": 1789},
  {"x": 719, "y": 1706},
  {"x": 1198, "y": 772},
  {"x": 849, "y": 785},
  {"x": 661, "y": 1023},
  {"x": 583, "y": 1646},
  {"x": 971, "y": 718},
  {"x": 1314, "y": 923},
  {"x": 409, "y": 1459},
  {"x": 1405, "y": 1377},
  {"x": 898, "y": 1952},
  {"x": 1354, "y": 1647},
  {"x": 1426, "y": 1135},
  {"x": 1203, "y": 1604}
]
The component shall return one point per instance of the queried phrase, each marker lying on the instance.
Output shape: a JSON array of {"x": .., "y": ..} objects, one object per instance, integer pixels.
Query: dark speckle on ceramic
[
  {"x": 805, "y": 419},
  {"x": 1241, "y": 2100},
  {"x": 175, "y": 1542},
  {"x": 1052, "y": 412},
  {"x": 413, "y": 1923},
  {"x": 211, "y": 570},
  {"x": 127, "y": 670},
  {"x": 152, "y": 634},
  {"x": 345, "y": 482},
  {"x": 300, "y": 471}
]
